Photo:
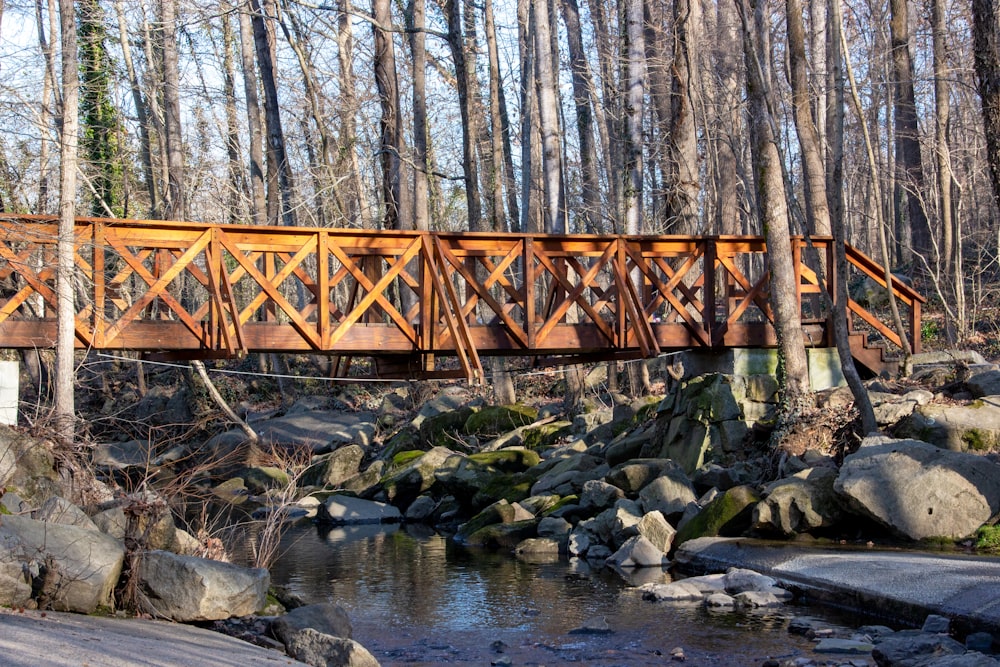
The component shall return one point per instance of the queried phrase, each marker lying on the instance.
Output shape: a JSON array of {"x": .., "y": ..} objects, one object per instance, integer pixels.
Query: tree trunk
[
  {"x": 635, "y": 63},
  {"x": 684, "y": 191},
  {"x": 817, "y": 208},
  {"x": 548, "y": 116},
  {"x": 470, "y": 167},
  {"x": 236, "y": 179},
  {"x": 909, "y": 168},
  {"x": 349, "y": 107},
  {"x": 793, "y": 375},
  {"x": 415, "y": 26},
  {"x": 582, "y": 99},
  {"x": 258, "y": 192},
  {"x": 390, "y": 122},
  {"x": 728, "y": 122},
  {"x": 986, "y": 39},
  {"x": 948, "y": 247},
  {"x": 609, "y": 112},
  {"x": 174, "y": 205},
  {"x": 498, "y": 219},
  {"x": 69, "y": 138}
]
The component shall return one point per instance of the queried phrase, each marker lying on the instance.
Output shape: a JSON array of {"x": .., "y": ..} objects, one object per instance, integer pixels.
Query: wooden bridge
[{"x": 407, "y": 299}]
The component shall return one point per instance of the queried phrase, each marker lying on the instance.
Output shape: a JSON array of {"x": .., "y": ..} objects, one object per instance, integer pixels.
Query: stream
[{"x": 418, "y": 598}]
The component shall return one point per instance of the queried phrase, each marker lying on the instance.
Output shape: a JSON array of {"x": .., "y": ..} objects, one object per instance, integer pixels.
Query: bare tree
[{"x": 548, "y": 115}]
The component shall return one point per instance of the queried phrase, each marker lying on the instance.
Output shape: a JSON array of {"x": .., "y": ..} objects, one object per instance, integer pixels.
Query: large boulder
[
  {"x": 77, "y": 568},
  {"x": 800, "y": 503},
  {"x": 325, "y": 617},
  {"x": 633, "y": 475},
  {"x": 59, "y": 510},
  {"x": 321, "y": 430},
  {"x": 918, "y": 490},
  {"x": 337, "y": 467},
  {"x": 322, "y": 650},
  {"x": 729, "y": 514},
  {"x": 493, "y": 420},
  {"x": 347, "y": 510},
  {"x": 190, "y": 589},
  {"x": 413, "y": 474},
  {"x": 669, "y": 493},
  {"x": 960, "y": 428}
]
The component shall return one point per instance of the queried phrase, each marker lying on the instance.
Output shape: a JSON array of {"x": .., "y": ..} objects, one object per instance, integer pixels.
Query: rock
[
  {"x": 728, "y": 515},
  {"x": 909, "y": 648},
  {"x": 568, "y": 474},
  {"x": 936, "y": 623},
  {"x": 984, "y": 384},
  {"x": 639, "y": 552},
  {"x": 325, "y": 617},
  {"x": 720, "y": 600},
  {"x": 413, "y": 474},
  {"x": 364, "y": 481},
  {"x": 551, "y": 526},
  {"x": 979, "y": 641},
  {"x": 233, "y": 491},
  {"x": 513, "y": 512},
  {"x": 421, "y": 509},
  {"x": 111, "y": 521},
  {"x": 78, "y": 568},
  {"x": 261, "y": 479},
  {"x": 740, "y": 580},
  {"x": 598, "y": 625},
  {"x": 60, "y": 510},
  {"x": 579, "y": 542},
  {"x": 629, "y": 447},
  {"x": 503, "y": 535},
  {"x": 598, "y": 495},
  {"x": 918, "y": 490},
  {"x": 534, "y": 546},
  {"x": 970, "y": 659},
  {"x": 321, "y": 430},
  {"x": 617, "y": 524},
  {"x": 450, "y": 399},
  {"x": 800, "y": 503},
  {"x": 347, "y": 510},
  {"x": 843, "y": 646},
  {"x": 338, "y": 466},
  {"x": 657, "y": 530},
  {"x": 320, "y": 650},
  {"x": 669, "y": 494},
  {"x": 675, "y": 591},
  {"x": 757, "y": 599},
  {"x": 633, "y": 475},
  {"x": 960, "y": 428},
  {"x": 122, "y": 455},
  {"x": 492, "y": 420},
  {"x": 190, "y": 589}
]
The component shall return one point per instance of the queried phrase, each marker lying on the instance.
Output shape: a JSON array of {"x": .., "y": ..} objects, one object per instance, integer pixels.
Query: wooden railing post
[
  {"x": 528, "y": 276},
  {"x": 710, "y": 257},
  {"x": 97, "y": 238}
]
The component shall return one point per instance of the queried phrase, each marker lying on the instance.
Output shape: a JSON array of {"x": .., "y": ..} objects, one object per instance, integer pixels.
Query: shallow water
[{"x": 417, "y": 598}]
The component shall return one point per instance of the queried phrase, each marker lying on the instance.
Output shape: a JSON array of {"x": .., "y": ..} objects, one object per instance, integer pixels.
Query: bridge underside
[{"x": 408, "y": 299}]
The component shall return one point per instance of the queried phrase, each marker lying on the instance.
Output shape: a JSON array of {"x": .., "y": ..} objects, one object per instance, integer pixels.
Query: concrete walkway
[
  {"x": 898, "y": 585},
  {"x": 52, "y": 639}
]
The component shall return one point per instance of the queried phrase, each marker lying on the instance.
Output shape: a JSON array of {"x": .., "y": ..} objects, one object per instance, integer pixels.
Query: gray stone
[
  {"x": 579, "y": 542},
  {"x": 325, "y": 617},
  {"x": 633, "y": 475},
  {"x": 599, "y": 495},
  {"x": 970, "y": 659},
  {"x": 123, "y": 455},
  {"x": 936, "y": 623},
  {"x": 111, "y": 521},
  {"x": 534, "y": 546},
  {"x": 321, "y": 650},
  {"x": 675, "y": 591},
  {"x": 670, "y": 493},
  {"x": 984, "y": 384},
  {"x": 740, "y": 580},
  {"x": 909, "y": 648},
  {"x": 449, "y": 399},
  {"x": 657, "y": 530},
  {"x": 60, "y": 510},
  {"x": 552, "y": 526},
  {"x": 404, "y": 484},
  {"x": 972, "y": 427},
  {"x": 617, "y": 524},
  {"x": 843, "y": 646},
  {"x": 918, "y": 490},
  {"x": 720, "y": 600},
  {"x": 321, "y": 430},
  {"x": 82, "y": 565},
  {"x": 421, "y": 509},
  {"x": 338, "y": 466},
  {"x": 639, "y": 552},
  {"x": 598, "y": 625},
  {"x": 800, "y": 503},
  {"x": 757, "y": 599},
  {"x": 979, "y": 641},
  {"x": 189, "y": 589},
  {"x": 347, "y": 510}
]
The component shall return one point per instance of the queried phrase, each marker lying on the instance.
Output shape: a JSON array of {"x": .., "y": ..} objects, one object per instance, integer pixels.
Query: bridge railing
[{"x": 195, "y": 289}]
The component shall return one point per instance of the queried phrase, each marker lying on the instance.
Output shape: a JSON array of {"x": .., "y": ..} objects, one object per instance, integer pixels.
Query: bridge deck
[{"x": 406, "y": 298}]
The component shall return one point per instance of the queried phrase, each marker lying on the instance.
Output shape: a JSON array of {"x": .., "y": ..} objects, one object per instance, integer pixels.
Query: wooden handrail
[{"x": 200, "y": 289}]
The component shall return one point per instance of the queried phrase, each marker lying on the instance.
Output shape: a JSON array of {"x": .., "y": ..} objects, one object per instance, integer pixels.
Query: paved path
[
  {"x": 52, "y": 639},
  {"x": 900, "y": 585}
]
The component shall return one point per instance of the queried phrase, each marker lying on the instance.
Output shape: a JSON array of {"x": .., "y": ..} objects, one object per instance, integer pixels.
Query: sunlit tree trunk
[
  {"x": 361, "y": 209},
  {"x": 470, "y": 166},
  {"x": 415, "y": 24},
  {"x": 548, "y": 116},
  {"x": 173, "y": 138},
  {"x": 390, "y": 122},
  {"x": 255, "y": 139},
  {"x": 683, "y": 180}
]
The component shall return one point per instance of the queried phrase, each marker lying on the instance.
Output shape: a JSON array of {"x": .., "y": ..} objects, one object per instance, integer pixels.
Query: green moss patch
[{"x": 493, "y": 420}]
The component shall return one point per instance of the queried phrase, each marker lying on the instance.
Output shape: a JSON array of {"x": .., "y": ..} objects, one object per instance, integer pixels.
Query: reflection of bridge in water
[{"x": 406, "y": 299}]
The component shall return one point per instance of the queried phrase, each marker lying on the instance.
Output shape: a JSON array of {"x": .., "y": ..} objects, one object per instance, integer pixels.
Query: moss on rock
[
  {"x": 492, "y": 420},
  {"x": 728, "y": 515}
]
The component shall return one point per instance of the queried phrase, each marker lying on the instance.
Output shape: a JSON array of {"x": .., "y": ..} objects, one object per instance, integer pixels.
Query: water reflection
[{"x": 418, "y": 598}]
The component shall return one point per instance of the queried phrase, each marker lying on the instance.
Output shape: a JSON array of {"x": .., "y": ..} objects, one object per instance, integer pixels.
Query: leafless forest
[{"x": 635, "y": 116}]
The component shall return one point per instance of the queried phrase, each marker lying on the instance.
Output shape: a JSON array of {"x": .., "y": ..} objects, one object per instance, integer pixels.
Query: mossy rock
[
  {"x": 545, "y": 435},
  {"x": 512, "y": 488},
  {"x": 260, "y": 479},
  {"x": 507, "y": 460},
  {"x": 402, "y": 484},
  {"x": 571, "y": 499},
  {"x": 503, "y": 535},
  {"x": 492, "y": 420},
  {"x": 444, "y": 429},
  {"x": 403, "y": 458},
  {"x": 988, "y": 538},
  {"x": 404, "y": 440},
  {"x": 729, "y": 515}
]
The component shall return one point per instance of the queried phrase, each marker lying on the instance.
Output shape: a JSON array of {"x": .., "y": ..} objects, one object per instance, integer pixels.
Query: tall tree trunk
[
  {"x": 66, "y": 311},
  {"x": 817, "y": 208},
  {"x": 415, "y": 26},
  {"x": 773, "y": 211},
  {"x": 141, "y": 114},
  {"x": 470, "y": 167},
  {"x": 986, "y": 40},
  {"x": 949, "y": 246},
  {"x": 498, "y": 219},
  {"x": 349, "y": 107},
  {"x": 582, "y": 99},
  {"x": 635, "y": 64},
  {"x": 233, "y": 152},
  {"x": 835, "y": 194},
  {"x": 390, "y": 122},
  {"x": 548, "y": 116},
  {"x": 174, "y": 208},
  {"x": 909, "y": 167},
  {"x": 609, "y": 112},
  {"x": 683, "y": 181},
  {"x": 729, "y": 121},
  {"x": 47, "y": 47},
  {"x": 258, "y": 191},
  {"x": 280, "y": 182}
]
